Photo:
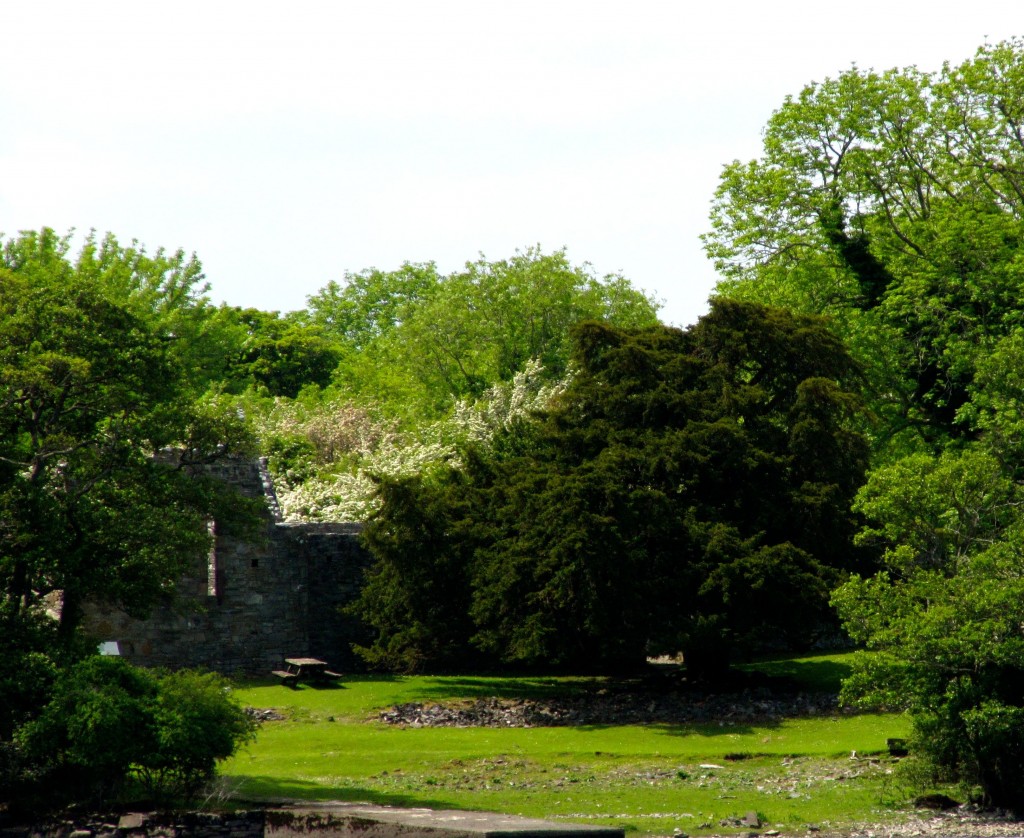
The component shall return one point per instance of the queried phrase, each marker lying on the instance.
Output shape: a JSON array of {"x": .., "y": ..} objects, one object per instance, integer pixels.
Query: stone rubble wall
[
  {"x": 250, "y": 824},
  {"x": 280, "y": 597}
]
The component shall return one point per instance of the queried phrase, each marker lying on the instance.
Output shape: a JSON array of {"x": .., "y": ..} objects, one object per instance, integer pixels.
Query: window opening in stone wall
[
  {"x": 211, "y": 560},
  {"x": 254, "y": 563}
]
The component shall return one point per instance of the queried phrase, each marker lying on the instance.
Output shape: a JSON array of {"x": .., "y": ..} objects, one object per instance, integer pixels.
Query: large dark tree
[{"x": 689, "y": 491}]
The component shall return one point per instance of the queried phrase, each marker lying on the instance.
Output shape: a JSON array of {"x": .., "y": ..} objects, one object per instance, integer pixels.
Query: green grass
[{"x": 647, "y": 779}]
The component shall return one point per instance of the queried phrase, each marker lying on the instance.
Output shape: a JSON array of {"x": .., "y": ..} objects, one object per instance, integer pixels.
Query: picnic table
[{"x": 305, "y": 669}]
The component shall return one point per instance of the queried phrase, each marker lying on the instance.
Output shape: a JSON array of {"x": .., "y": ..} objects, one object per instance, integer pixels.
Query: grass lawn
[{"x": 651, "y": 779}]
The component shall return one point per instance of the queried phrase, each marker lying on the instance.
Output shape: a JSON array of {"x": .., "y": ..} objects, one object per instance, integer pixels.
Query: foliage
[
  {"x": 91, "y": 731},
  {"x": 893, "y": 201},
  {"x": 198, "y": 724},
  {"x": 27, "y": 666},
  {"x": 278, "y": 355},
  {"x": 950, "y": 650},
  {"x": 933, "y": 512},
  {"x": 372, "y": 303},
  {"x": 166, "y": 290},
  {"x": 944, "y": 624},
  {"x": 418, "y": 342},
  {"x": 415, "y": 596},
  {"x": 91, "y": 389},
  {"x": 107, "y": 720},
  {"x": 681, "y": 487},
  {"x": 328, "y": 453}
]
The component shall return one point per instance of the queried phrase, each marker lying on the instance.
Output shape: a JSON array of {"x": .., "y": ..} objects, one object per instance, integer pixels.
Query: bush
[
  {"x": 950, "y": 650},
  {"x": 97, "y": 723},
  {"x": 108, "y": 722},
  {"x": 197, "y": 725}
]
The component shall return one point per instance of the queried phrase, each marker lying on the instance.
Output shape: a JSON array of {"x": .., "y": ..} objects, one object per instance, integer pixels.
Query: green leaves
[
  {"x": 662, "y": 502},
  {"x": 91, "y": 388},
  {"x": 419, "y": 341},
  {"x": 107, "y": 721},
  {"x": 896, "y": 195}
]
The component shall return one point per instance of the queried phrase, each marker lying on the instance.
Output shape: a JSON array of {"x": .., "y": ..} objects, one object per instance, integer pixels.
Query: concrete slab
[{"x": 367, "y": 821}]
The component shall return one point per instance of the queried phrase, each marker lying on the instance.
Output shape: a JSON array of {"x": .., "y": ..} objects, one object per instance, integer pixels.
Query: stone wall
[
  {"x": 195, "y": 824},
  {"x": 246, "y": 607}
]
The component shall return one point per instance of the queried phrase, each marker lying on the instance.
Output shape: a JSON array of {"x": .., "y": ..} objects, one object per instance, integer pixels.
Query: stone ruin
[{"x": 246, "y": 606}]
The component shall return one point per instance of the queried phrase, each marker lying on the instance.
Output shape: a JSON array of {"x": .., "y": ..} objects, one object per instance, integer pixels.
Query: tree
[
  {"x": 687, "y": 490},
  {"x": 891, "y": 201},
  {"x": 371, "y": 303},
  {"x": 90, "y": 393},
  {"x": 198, "y": 723},
  {"x": 279, "y": 355},
  {"x": 949, "y": 649},
  {"x": 420, "y": 342}
]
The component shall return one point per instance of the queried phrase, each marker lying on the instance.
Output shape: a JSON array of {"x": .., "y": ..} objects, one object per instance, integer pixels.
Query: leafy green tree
[
  {"x": 416, "y": 596},
  {"x": 165, "y": 290},
  {"x": 934, "y": 512},
  {"x": 279, "y": 355},
  {"x": 371, "y": 303},
  {"x": 90, "y": 392},
  {"x": 97, "y": 723},
  {"x": 420, "y": 342},
  {"x": 891, "y": 201},
  {"x": 687, "y": 490},
  {"x": 942, "y": 623},
  {"x": 197, "y": 724},
  {"x": 950, "y": 650}
]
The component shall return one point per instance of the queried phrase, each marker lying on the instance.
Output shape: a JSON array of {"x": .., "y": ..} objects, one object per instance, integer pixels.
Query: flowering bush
[{"x": 325, "y": 456}]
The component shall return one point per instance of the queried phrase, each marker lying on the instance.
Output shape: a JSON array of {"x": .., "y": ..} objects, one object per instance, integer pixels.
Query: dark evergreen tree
[{"x": 690, "y": 490}]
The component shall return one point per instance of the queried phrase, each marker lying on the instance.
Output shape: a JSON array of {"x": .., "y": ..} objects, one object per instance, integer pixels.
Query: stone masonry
[{"x": 246, "y": 607}]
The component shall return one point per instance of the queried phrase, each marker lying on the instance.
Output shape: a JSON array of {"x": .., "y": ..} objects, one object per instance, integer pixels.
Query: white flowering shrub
[{"x": 329, "y": 454}]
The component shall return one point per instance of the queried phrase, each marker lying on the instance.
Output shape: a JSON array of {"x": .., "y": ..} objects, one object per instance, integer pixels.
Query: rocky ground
[
  {"x": 618, "y": 707},
  {"x": 962, "y": 822}
]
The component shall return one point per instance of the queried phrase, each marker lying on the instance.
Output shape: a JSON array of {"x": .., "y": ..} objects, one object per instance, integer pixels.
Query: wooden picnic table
[{"x": 305, "y": 669}]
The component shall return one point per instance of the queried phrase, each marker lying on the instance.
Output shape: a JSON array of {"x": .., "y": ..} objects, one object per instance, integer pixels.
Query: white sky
[{"x": 285, "y": 143}]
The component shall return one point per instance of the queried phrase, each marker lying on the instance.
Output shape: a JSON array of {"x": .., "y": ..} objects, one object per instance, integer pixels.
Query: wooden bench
[{"x": 290, "y": 679}]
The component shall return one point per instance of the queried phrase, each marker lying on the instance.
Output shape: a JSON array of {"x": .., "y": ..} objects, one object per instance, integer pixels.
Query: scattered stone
[
  {"x": 132, "y": 820},
  {"x": 751, "y": 819},
  {"x": 265, "y": 715},
  {"x": 616, "y": 707}
]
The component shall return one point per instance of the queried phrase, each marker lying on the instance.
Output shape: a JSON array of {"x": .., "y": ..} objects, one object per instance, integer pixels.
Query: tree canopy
[
  {"x": 682, "y": 487},
  {"x": 894, "y": 202},
  {"x": 419, "y": 341},
  {"x": 92, "y": 387}
]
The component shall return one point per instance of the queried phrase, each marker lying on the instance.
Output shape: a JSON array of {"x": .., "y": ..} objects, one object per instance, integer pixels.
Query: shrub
[
  {"x": 197, "y": 724},
  {"x": 108, "y": 722}
]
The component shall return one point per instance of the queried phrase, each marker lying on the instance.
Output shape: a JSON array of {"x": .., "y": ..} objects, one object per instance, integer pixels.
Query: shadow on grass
[
  {"x": 513, "y": 687},
  {"x": 822, "y": 673},
  {"x": 706, "y": 730},
  {"x": 266, "y": 791}
]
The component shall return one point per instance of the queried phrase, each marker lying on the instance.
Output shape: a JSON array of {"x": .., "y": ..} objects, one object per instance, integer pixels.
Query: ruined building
[{"x": 246, "y": 607}]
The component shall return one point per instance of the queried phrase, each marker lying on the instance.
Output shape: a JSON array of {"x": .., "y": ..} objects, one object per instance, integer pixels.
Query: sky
[{"x": 285, "y": 144}]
